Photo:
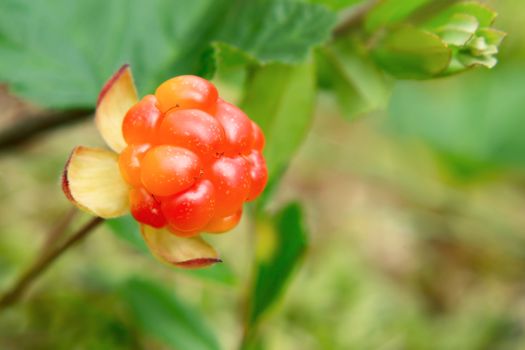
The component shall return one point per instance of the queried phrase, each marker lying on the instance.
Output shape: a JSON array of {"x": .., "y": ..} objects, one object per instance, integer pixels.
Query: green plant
[{"x": 274, "y": 57}]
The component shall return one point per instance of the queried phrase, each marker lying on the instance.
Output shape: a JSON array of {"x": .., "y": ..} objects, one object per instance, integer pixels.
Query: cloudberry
[
  {"x": 223, "y": 224},
  {"x": 129, "y": 163},
  {"x": 193, "y": 129},
  {"x": 192, "y": 159},
  {"x": 258, "y": 174},
  {"x": 231, "y": 178},
  {"x": 166, "y": 170},
  {"x": 187, "y": 91},
  {"x": 145, "y": 208},
  {"x": 237, "y": 127},
  {"x": 190, "y": 210},
  {"x": 141, "y": 122}
]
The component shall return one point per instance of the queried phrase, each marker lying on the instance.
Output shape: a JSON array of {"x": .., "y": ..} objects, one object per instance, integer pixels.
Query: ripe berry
[
  {"x": 223, "y": 224},
  {"x": 258, "y": 174},
  {"x": 187, "y": 91},
  {"x": 258, "y": 137},
  {"x": 141, "y": 121},
  {"x": 145, "y": 208},
  {"x": 193, "y": 129},
  {"x": 129, "y": 163},
  {"x": 167, "y": 170},
  {"x": 191, "y": 159},
  {"x": 231, "y": 179},
  {"x": 237, "y": 127},
  {"x": 190, "y": 210}
]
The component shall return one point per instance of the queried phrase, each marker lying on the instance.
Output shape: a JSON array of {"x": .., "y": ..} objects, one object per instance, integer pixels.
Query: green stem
[
  {"x": 28, "y": 127},
  {"x": 354, "y": 19},
  {"x": 41, "y": 264}
]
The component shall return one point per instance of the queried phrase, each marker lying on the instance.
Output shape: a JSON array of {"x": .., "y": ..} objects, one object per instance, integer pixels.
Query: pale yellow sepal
[
  {"x": 183, "y": 252},
  {"x": 115, "y": 99},
  {"x": 92, "y": 181}
]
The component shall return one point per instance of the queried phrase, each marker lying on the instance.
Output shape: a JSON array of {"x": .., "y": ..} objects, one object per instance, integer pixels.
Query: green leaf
[
  {"x": 390, "y": 12},
  {"x": 412, "y": 53},
  {"x": 459, "y": 30},
  {"x": 337, "y": 4},
  {"x": 474, "y": 122},
  {"x": 492, "y": 36},
  {"x": 58, "y": 53},
  {"x": 226, "y": 57},
  {"x": 160, "y": 314},
  {"x": 483, "y": 14},
  {"x": 221, "y": 273},
  {"x": 127, "y": 229},
  {"x": 358, "y": 85},
  {"x": 470, "y": 60},
  {"x": 64, "y": 50},
  {"x": 464, "y": 27},
  {"x": 281, "y": 100},
  {"x": 277, "y": 30},
  {"x": 281, "y": 242}
]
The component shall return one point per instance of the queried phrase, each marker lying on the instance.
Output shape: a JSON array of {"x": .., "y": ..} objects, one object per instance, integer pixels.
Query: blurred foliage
[
  {"x": 281, "y": 242},
  {"x": 407, "y": 225},
  {"x": 286, "y": 114},
  {"x": 161, "y": 314},
  {"x": 477, "y": 129},
  {"x": 390, "y": 12},
  {"x": 458, "y": 37},
  {"x": 73, "y": 64},
  {"x": 411, "y": 53},
  {"x": 345, "y": 69},
  {"x": 127, "y": 229}
]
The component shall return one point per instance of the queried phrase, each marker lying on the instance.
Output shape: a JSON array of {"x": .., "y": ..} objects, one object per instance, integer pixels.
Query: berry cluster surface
[{"x": 192, "y": 159}]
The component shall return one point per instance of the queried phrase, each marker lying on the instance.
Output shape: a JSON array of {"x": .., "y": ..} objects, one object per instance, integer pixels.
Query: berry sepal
[
  {"x": 91, "y": 181},
  {"x": 118, "y": 95},
  {"x": 186, "y": 252}
]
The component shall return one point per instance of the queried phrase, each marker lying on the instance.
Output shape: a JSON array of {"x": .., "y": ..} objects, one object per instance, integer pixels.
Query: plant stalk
[
  {"x": 30, "y": 126},
  {"x": 41, "y": 264}
]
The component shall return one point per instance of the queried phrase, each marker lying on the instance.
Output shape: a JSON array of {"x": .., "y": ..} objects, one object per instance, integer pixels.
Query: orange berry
[
  {"x": 145, "y": 208},
  {"x": 167, "y": 170},
  {"x": 187, "y": 91},
  {"x": 258, "y": 174},
  {"x": 182, "y": 233},
  {"x": 193, "y": 129},
  {"x": 231, "y": 179},
  {"x": 129, "y": 163},
  {"x": 237, "y": 128},
  {"x": 141, "y": 122},
  {"x": 223, "y": 224},
  {"x": 258, "y": 137},
  {"x": 192, "y": 158},
  {"x": 191, "y": 210}
]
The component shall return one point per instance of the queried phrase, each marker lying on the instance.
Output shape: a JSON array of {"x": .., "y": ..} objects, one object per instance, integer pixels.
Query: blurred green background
[{"x": 413, "y": 205}]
